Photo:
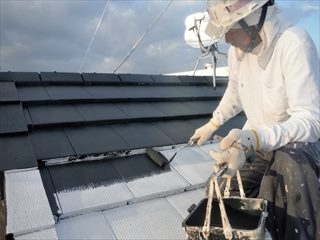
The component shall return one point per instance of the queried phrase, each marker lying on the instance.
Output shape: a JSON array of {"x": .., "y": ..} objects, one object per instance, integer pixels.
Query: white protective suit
[{"x": 277, "y": 86}]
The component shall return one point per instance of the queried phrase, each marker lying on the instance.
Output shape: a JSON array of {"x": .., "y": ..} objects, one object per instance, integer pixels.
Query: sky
[{"x": 97, "y": 36}]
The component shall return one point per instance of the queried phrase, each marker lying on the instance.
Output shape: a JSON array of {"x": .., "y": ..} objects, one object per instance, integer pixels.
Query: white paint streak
[{"x": 80, "y": 201}]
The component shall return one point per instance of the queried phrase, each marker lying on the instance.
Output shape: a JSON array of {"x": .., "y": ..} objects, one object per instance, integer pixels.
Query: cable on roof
[
  {"x": 143, "y": 36},
  {"x": 93, "y": 36}
]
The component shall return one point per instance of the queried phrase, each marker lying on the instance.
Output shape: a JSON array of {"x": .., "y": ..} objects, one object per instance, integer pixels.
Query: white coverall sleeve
[
  {"x": 300, "y": 69},
  {"x": 230, "y": 104}
]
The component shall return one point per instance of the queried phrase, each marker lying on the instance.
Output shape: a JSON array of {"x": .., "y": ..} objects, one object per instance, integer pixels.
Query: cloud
[{"x": 55, "y": 35}]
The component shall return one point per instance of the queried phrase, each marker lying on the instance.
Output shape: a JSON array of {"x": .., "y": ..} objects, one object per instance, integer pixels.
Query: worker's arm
[{"x": 300, "y": 69}]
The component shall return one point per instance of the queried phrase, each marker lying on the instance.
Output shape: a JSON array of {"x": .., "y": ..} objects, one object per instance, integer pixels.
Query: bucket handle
[{"x": 214, "y": 186}]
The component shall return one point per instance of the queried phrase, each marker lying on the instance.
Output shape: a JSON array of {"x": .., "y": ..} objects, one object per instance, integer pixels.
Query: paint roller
[{"x": 160, "y": 159}]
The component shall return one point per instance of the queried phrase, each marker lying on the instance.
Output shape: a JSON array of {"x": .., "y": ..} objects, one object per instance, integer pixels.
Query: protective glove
[
  {"x": 235, "y": 148},
  {"x": 203, "y": 133}
]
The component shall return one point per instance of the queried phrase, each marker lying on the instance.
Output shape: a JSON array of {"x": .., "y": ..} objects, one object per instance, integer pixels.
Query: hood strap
[{"x": 253, "y": 32}]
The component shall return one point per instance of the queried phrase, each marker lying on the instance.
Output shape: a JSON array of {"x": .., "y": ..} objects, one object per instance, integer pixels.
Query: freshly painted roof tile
[{"x": 88, "y": 186}]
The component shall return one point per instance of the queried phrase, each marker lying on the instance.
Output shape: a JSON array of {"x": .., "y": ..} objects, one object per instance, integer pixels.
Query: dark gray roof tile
[
  {"x": 101, "y": 78},
  {"x": 12, "y": 119},
  {"x": 79, "y": 175},
  {"x": 60, "y": 93},
  {"x": 16, "y": 153},
  {"x": 135, "y": 78},
  {"x": 202, "y": 107},
  {"x": 166, "y": 79},
  {"x": 100, "y": 112},
  {"x": 8, "y": 92},
  {"x": 61, "y": 78},
  {"x": 20, "y": 77},
  {"x": 54, "y": 114},
  {"x": 32, "y": 93},
  {"x": 173, "y": 109},
  {"x": 95, "y": 139},
  {"x": 179, "y": 131},
  {"x": 198, "y": 80},
  {"x": 51, "y": 144},
  {"x": 27, "y": 116},
  {"x": 140, "y": 110},
  {"x": 136, "y": 166},
  {"x": 139, "y": 135}
]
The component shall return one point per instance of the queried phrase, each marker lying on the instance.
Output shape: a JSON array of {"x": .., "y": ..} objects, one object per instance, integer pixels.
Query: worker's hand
[
  {"x": 203, "y": 133},
  {"x": 235, "y": 148}
]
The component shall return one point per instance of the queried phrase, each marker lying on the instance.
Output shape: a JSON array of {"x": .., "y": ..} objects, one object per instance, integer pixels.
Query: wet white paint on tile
[
  {"x": 88, "y": 226},
  {"x": 28, "y": 208},
  {"x": 214, "y": 146},
  {"x": 79, "y": 201},
  {"x": 181, "y": 202},
  {"x": 157, "y": 185},
  {"x": 153, "y": 219},
  {"x": 50, "y": 234},
  {"x": 194, "y": 164}
]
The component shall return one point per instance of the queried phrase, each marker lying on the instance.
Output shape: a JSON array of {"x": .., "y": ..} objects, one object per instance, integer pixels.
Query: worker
[{"x": 274, "y": 80}]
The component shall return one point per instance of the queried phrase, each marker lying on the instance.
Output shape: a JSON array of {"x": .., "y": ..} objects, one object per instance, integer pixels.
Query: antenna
[
  {"x": 196, "y": 37},
  {"x": 143, "y": 36},
  {"x": 93, "y": 36}
]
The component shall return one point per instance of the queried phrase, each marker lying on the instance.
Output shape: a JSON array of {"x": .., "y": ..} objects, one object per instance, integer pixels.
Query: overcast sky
[{"x": 56, "y": 35}]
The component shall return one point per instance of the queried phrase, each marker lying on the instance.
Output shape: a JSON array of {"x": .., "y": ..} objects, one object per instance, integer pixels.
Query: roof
[{"x": 78, "y": 141}]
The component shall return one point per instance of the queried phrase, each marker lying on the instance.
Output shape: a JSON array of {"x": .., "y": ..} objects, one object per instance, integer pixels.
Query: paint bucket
[{"x": 247, "y": 218}]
